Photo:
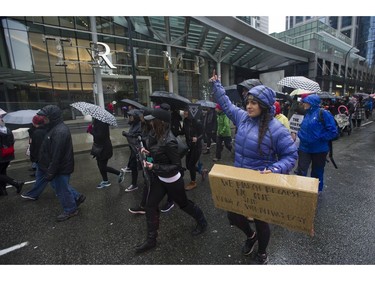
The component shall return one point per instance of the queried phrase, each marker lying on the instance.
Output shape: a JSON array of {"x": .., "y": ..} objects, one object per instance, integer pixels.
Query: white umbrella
[
  {"x": 300, "y": 82},
  {"x": 2, "y": 112},
  {"x": 20, "y": 116},
  {"x": 96, "y": 112}
]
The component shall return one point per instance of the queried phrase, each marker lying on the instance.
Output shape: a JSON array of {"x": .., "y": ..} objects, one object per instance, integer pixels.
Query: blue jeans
[
  {"x": 66, "y": 195},
  {"x": 40, "y": 184}
]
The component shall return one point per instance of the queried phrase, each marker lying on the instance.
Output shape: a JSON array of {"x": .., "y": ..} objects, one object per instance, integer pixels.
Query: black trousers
[
  {"x": 262, "y": 229},
  {"x": 192, "y": 158},
  {"x": 104, "y": 169}
]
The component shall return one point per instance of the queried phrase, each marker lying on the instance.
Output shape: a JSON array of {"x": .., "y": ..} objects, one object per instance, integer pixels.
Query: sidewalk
[{"x": 82, "y": 141}]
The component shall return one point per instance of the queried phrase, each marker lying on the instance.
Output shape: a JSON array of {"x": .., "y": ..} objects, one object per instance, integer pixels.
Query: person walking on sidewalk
[
  {"x": 7, "y": 142},
  {"x": 317, "y": 129},
  {"x": 165, "y": 169},
  {"x": 40, "y": 131},
  {"x": 193, "y": 131},
  {"x": 56, "y": 160},
  {"x": 134, "y": 132},
  {"x": 209, "y": 127},
  {"x": 262, "y": 143},
  {"x": 100, "y": 133},
  {"x": 224, "y": 134}
]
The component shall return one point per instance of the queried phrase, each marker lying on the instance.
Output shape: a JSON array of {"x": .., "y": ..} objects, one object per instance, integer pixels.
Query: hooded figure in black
[
  {"x": 101, "y": 135},
  {"x": 132, "y": 135},
  {"x": 56, "y": 160}
]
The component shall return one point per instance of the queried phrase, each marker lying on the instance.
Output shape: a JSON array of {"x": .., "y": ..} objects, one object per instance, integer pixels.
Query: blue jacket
[
  {"x": 314, "y": 133},
  {"x": 279, "y": 151}
]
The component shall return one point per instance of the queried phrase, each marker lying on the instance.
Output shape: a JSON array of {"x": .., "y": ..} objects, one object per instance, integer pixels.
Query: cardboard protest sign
[
  {"x": 286, "y": 200},
  {"x": 295, "y": 122}
]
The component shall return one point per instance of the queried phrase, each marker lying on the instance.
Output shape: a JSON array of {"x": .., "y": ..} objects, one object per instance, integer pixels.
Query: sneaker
[
  {"x": 80, "y": 200},
  {"x": 131, "y": 188},
  {"x": 248, "y": 248},
  {"x": 121, "y": 176},
  {"x": 64, "y": 216},
  {"x": 216, "y": 159},
  {"x": 137, "y": 210},
  {"x": 127, "y": 170},
  {"x": 261, "y": 258},
  {"x": 167, "y": 207},
  {"x": 103, "y": 184},
  {"x": 28, "y": 197},
  {"x": 191, "y": 185}
]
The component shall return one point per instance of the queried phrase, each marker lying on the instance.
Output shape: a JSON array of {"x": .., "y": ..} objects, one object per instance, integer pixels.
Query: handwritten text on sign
[{"x": 270, "y": 198}]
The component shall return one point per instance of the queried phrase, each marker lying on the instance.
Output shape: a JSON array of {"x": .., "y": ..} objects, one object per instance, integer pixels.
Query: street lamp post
[{"x": 346, "y": 61}]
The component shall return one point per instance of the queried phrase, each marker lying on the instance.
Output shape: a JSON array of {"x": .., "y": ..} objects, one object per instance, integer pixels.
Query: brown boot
[{"x": 191, "y": 185}]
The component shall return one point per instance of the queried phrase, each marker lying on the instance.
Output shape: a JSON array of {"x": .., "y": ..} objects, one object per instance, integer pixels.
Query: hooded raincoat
[
  {"x": 317, "y": 129},
  {"x": 279, "y": 153}
]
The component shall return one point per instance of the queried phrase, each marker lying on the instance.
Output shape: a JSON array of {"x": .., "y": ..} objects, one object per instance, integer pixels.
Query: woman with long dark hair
[
  {"x": 100, "y": 133},
  {"x": 262, "y": 143},
  {"x": 166, "y": 176}
]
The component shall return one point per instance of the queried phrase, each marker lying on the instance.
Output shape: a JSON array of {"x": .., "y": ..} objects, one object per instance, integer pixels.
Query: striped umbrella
[
  {"x": 96, "y": 112},
  {"x": 300, "y": 82}
]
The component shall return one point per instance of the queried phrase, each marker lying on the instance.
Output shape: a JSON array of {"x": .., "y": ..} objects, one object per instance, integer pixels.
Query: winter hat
[
  {"x": 160, "y": 114},
  {"x": 38, "y": 120},
  {"x": 218, "y": 107},
  {"x": 277, "y": 107}
]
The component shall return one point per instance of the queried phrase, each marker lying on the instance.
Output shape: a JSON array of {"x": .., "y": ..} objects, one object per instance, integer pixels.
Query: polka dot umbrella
[{"x": 96, "y": 112}]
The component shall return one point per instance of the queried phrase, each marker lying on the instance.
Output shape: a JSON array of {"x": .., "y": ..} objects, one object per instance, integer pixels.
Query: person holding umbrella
[
  {"x": 101, "y": 135},
  {"x": 262, "y": 143},
  {"x": 164, "y": 165}
]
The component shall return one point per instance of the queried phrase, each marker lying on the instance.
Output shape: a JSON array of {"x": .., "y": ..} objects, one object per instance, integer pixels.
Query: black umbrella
[
  {"x": 132, "y": 103},
  {"x": 232, "y": 93},
  {"x": 326, "y": 95},
  {"x": 282, "y": 96},
  {"x": 175, "y": 101}
]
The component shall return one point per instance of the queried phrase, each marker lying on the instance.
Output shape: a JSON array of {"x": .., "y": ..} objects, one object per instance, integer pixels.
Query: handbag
[
  {"x": 182, "y": 146},
  {"x": 96, "y": 149},
  {"x": 7, "y": 151}
]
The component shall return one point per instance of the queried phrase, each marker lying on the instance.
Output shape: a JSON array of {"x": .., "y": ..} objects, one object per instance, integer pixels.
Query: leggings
[
  {"x": 262, "y": 229},
  {"x": 104, "y": 169}
]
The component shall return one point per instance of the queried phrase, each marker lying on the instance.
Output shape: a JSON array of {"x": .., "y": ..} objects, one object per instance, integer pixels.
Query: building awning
[
  {"x": 20, "y": 77},
  {"x": 223, "y": 39}
]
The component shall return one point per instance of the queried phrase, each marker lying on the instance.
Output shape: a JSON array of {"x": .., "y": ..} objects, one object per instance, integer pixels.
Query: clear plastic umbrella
[
  {"x": 206, "y": 103},
  {"x": 20, "y": 116}
]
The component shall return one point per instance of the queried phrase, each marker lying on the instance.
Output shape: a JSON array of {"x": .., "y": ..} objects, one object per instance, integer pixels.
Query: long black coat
[{"x": 100, "y": 132}]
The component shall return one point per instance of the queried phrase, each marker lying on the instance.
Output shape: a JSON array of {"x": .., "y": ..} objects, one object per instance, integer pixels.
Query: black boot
[
  {"x": 18, "y": 185},
  {"x": 194, "y": 211},
  {"x": 152, "y": 219},
  {"x": 3, "y": 191}
]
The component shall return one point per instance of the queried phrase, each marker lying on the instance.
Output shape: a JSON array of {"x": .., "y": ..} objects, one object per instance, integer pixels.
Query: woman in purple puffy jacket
[{"x": 261, "y": 143}]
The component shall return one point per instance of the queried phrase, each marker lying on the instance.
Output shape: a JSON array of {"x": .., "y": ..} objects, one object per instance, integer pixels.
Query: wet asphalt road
[{"x": 105, "y": 232}]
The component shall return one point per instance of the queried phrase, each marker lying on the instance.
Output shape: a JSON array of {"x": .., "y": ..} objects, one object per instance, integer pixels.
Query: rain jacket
[
  {"x": 316, "y": 130},
  {"x": 101, "y": 136},
  {"x": 56, "y": 152},
  {"x": 223, "y": 125},
  {"x": 279, "y": 151}
]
